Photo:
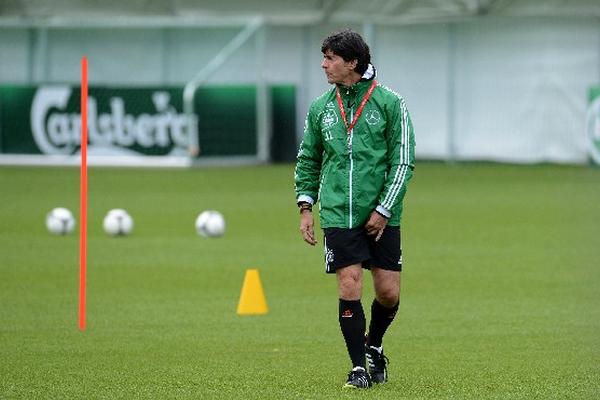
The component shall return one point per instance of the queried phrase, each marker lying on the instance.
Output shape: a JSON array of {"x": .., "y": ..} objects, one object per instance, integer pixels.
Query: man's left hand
[{"x": 376, "y": 224}]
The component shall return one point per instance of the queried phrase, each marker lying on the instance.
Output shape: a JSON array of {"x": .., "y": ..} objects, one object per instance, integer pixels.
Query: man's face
[{"x": 336, "y": 69}]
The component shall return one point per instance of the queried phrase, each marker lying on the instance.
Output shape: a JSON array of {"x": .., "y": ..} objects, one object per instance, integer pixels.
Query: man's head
[{"x": 344, "y": 52}]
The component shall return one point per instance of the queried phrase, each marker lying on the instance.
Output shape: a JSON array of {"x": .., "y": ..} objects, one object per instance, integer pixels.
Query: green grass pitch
[{"x": 500, "y": 291}]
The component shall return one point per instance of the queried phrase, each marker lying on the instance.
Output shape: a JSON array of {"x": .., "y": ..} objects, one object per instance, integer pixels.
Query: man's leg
[
  {"x": 385, "y": 304},
  {"x": 351, "y": 314},
  {"x": 352, "y": 323},
  {"x": 383, "y": 311}
]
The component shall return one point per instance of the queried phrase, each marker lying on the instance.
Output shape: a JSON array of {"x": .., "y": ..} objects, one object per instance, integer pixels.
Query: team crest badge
[
  {"x": 328, "y": 258},
  {"x": 329, "y": 119}
]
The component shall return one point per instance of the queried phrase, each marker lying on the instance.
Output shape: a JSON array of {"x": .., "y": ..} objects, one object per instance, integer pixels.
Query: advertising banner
[
  {"x": 593, "y": 124},
  {"x": 135, "y": 122}
]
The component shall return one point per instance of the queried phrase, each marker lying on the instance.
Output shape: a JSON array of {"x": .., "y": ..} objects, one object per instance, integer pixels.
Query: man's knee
[
  {"x": 388, "y": 297},
  {"x": 350, "y": 282},
  {"x": 387, "y": 287}
]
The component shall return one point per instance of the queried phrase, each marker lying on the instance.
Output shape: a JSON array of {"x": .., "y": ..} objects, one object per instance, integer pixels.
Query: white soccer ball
[
  {"x": 60, "y": 221},
  {"x": 210, "y": 223},
  {"x": 118, "y": 222}
]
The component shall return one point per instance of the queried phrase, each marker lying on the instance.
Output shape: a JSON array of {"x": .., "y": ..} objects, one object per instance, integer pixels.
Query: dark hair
[{"x": 350, "y": 46}]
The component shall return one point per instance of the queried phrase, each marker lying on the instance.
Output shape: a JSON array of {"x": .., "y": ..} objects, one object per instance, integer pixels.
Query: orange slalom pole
[{"x": 83, "y": 195}]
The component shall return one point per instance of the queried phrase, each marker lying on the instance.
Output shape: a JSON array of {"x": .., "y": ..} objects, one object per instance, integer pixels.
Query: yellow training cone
[{"x": 252, "y": 299}]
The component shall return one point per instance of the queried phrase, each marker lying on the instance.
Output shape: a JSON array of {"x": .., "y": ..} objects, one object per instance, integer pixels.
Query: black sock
[
  {"x": 352, "y": 323},
  {"x": 381, "y": 318}
]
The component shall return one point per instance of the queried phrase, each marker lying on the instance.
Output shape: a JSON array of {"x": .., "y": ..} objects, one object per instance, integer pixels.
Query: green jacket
[{"x": 353, "y": 174}]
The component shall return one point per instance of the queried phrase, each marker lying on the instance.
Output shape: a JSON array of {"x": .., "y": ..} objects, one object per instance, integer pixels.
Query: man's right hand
[{"x": 307, "y": 227}]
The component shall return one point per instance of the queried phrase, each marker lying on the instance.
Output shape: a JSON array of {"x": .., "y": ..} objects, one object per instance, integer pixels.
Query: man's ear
[{"x": 353, "y": 64}]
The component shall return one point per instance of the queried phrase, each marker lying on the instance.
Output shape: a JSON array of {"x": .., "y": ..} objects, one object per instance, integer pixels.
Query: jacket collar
[
  {"x": 364, "y": 82},
  {"x": 369, "y": 74}
]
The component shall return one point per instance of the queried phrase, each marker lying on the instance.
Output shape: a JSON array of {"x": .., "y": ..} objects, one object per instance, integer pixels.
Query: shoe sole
[{"x": 347, "y": 386}]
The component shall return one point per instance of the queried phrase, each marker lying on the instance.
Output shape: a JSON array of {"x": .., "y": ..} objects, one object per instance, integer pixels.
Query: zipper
[{"x": 351, "y": 169}]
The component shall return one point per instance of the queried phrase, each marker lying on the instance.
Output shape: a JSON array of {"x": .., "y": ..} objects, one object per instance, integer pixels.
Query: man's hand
[
  {"x": 307, "y": 227},
  {"x": 375, "y": 225}
]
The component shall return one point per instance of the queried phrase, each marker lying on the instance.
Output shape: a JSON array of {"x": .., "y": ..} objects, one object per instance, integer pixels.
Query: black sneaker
[
  {"x": 377, "y": 364},
  {"x": 358, "y": 379}
]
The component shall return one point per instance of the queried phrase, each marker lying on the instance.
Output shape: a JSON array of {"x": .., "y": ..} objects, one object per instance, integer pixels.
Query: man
[{"x": 356, "y": 159}]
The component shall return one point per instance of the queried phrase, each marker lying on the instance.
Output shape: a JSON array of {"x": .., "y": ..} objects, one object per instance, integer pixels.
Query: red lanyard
[{"x": 360, "y": 108}]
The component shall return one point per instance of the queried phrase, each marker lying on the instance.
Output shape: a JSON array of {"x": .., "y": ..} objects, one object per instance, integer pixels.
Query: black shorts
[{"x": 344, "y": 247}]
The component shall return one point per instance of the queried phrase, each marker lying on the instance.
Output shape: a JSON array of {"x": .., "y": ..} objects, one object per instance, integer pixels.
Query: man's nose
[{"x": 324, "y": 64}]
